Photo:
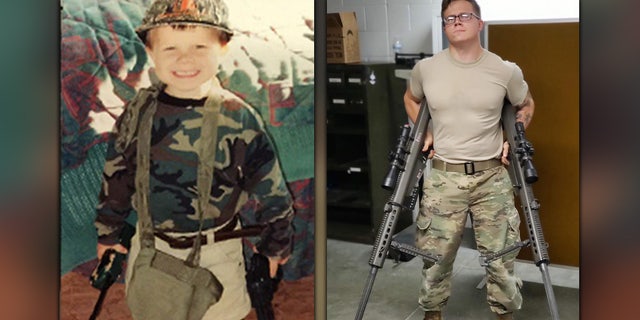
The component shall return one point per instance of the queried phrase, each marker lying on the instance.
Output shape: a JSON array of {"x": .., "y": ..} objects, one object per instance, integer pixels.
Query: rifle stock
[
  {"x": 261, "y": 286},
  {"x": 109, "y": 268}
]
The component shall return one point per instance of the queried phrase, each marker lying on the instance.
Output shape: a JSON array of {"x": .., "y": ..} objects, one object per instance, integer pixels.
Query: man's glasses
[{"x": 463, "y": 17}]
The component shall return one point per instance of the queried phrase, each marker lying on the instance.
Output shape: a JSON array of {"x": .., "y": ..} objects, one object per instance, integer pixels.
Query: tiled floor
[{"x": 396, "y": 287}]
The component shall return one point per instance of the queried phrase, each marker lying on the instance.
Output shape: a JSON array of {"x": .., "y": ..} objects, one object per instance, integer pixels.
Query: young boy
[{"x": 184, "y": 39}]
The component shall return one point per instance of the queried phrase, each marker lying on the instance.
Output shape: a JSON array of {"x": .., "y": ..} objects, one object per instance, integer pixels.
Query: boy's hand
[
  {"x": 101, "y": 248},
  {"x": 273, "y": 265},
  {"x": 274, "y": 262}
]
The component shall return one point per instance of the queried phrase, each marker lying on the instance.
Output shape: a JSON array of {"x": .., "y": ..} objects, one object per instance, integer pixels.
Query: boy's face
[{"x": 185, "y": 59}]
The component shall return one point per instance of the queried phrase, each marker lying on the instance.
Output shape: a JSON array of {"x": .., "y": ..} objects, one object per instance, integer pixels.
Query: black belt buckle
[
  {"x": 183, "y": 242},
  {"x": 469, "y": 168}
]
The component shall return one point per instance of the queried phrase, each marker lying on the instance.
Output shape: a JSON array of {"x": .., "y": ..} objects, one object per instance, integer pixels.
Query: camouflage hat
[{"x": 212, "y": 13}]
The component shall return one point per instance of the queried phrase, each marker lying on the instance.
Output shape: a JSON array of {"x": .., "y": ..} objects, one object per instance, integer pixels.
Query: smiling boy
[{"x": 185, "y": 40}]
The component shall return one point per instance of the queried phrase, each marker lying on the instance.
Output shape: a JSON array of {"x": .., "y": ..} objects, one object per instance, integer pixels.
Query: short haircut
[{"x": 446, "y": 3}]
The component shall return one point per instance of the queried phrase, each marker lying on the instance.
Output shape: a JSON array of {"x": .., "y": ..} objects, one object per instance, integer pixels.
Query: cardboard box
[{"x": 343, "y": 45}]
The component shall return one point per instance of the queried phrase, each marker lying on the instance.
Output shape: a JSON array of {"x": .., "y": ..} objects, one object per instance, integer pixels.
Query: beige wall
[{"x": 548, "y": 54}]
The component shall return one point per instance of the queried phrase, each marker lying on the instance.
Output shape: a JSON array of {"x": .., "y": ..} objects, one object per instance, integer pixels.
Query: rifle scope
[
  {"x": 397, "y": 159},
  {"x": 525, "y": 149}
]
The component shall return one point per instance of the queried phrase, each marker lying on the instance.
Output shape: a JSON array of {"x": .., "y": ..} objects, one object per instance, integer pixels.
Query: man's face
[
  {"x": 462, "y": 31},
  {"x": 185, "y": 59}
]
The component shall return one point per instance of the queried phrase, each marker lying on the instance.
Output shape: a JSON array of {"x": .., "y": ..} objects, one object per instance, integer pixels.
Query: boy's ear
[
  {"x": 149, "y": 54},
  {"x": 224, "y": 48}
]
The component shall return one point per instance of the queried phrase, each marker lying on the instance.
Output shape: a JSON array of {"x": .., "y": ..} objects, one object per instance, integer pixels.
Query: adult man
[{"x": 465, "y": 86}]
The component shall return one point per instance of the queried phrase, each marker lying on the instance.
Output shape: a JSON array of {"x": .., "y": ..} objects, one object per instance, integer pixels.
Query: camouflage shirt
[{"x": 246, "y": 169}]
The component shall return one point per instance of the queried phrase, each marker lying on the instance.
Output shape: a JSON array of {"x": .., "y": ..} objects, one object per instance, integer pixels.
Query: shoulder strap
[
  {"x": 141, "y": 195},
  {"x": 206, "y": 158},
  {"x": 127, "y": 126}
]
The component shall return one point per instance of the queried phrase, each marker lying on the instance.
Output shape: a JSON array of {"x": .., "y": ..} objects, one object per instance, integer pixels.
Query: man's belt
[
  {"x": 470, "y": 167},
  {"x": 225, "y": 233}
]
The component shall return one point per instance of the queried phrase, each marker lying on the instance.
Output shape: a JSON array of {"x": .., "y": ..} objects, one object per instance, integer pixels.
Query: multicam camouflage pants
[{"x": 448, "y": 197}]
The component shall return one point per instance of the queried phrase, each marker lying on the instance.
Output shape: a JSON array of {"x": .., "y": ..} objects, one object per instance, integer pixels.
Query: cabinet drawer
[
  {"x": 348, "y": 199},
  {"x": 355, "y": 79},
  {"x": 346, "y": 101},
  {"x": 349, "y": 76},
  {"x": 348, "y": 190},
  {"x": 347, "y": 124},
  {"x": 364, "y": 79},
  {"x": 335, "y": 80},
  {"x": 346, "y": 150}
]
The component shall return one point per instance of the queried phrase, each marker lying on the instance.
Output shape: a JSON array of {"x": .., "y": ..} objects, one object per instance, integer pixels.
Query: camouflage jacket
[{"x": 246, "y": 169}]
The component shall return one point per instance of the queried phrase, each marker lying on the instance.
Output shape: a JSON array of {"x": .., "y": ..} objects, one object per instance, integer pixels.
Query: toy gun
[
  {"x": 261, "y": 286},
  {"x": 407, "y": 167},
  {"x": 109, "y": 269},
  {"x": 523, "y": 174}
]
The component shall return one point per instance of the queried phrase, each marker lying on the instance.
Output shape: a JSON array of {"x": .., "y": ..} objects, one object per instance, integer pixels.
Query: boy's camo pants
[{"x": 488, "y": 196}]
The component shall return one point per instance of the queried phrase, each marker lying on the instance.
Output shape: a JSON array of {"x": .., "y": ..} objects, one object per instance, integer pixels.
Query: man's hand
[
  {"x": 428, "y": 142},
  {"x": 505, "y": 153},
  {"x": 117, "y": 247}
]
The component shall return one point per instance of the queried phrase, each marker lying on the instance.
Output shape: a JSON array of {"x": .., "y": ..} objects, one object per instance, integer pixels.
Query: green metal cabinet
[{"x": 364, "y": 115}]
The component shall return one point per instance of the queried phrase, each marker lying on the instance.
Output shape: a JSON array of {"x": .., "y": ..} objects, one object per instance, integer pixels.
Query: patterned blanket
[{"x": 269, "y": 64}]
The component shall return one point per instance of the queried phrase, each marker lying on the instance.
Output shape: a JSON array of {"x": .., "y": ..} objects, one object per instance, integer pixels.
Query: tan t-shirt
[{"x": 465, "y": 103}]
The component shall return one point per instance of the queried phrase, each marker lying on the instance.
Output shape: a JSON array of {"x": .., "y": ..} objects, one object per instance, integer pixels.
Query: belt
[
  {"x": 470, "y": 167},
  {"x": 224, "y": 233}
]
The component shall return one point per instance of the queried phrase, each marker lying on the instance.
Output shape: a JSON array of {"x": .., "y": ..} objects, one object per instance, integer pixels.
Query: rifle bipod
[{"x": 407, "y": 166}]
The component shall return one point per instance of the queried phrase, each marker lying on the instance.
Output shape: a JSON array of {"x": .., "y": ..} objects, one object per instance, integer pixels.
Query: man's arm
[
  {"x": 524, "y": 111},
  {"x": 524, "y": 114},
  {"x": 412, "y": 107}
]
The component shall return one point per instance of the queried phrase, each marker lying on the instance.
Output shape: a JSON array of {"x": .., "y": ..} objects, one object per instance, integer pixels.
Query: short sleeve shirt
[{"x": 465, "y": 102}]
